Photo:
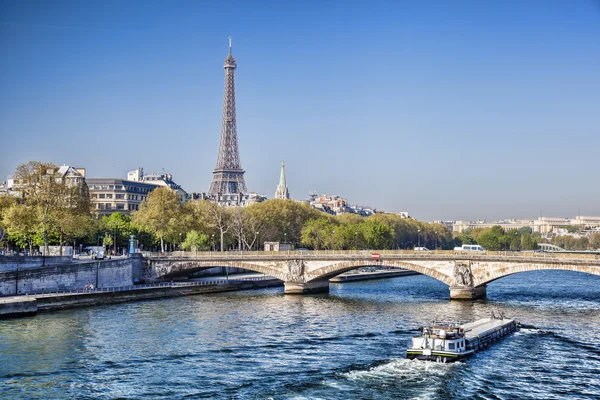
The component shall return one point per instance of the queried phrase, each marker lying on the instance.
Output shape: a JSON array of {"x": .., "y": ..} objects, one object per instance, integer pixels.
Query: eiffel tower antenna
[{"x": 228, "y": 176}]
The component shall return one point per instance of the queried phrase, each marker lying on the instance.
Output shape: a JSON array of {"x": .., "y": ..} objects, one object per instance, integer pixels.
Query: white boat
[{"x": 448, "y": 342}]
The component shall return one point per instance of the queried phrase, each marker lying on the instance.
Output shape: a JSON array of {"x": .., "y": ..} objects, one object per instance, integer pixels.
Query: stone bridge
[{"x": 309, "y": 272}]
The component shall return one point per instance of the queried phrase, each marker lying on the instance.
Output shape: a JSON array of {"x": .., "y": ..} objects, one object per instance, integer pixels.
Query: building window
[
  {"x": 109, "y": 196},
  {"x": 108, "y": 206},
  {"x": 119, "y": 196},
  {"x": 101, "y": 206},
  {"x": 94, "y": 196},
  {"x": 101, "y": 196},
  {"x": 451, "y": 346},
  {"x": 120, "y": 206}
]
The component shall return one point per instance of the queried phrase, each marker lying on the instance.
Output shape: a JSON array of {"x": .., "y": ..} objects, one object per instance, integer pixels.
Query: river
[{"x": 348, "y": 344}]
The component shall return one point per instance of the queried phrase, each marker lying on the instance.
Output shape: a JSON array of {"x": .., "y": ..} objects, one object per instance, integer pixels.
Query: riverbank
[
  {"x": 17, "y": 306},
  {"x": 365, "y": 276}
]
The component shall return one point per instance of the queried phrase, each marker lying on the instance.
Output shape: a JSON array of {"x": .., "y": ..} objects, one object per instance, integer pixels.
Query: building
[
  {"x": 66, "y": 174},
  {"x": 334, "y": 205},
  {"x": 228, "y": 186},
  {"x": 282, "y": 192},
  {"x": 166, "y": 180},
  {"x": 277, "y": 246},
  {"x": 542, "y": 225},
  {"x": 109, "y": 195}
]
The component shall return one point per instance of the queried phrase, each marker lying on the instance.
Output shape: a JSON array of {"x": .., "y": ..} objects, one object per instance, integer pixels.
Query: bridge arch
[
  {"x": 175, "y": 268},
  {"x": 329, "y": 271},
  {"x": 501, "y": 272}
]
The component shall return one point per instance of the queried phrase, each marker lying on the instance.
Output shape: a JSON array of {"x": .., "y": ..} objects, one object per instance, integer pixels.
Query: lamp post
[
  {"x": 212, "y": 242},
  {"x": 356, "y": 240},
  {"x": 332, "y": 238},
  {"x": 436, "y": 240},
  {"x": 419, "y": 238},
  {"x": 257, "y": 241}
]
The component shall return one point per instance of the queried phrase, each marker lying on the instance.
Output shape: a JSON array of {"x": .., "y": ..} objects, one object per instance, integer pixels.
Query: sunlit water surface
[{"x": 348, "y": 344}]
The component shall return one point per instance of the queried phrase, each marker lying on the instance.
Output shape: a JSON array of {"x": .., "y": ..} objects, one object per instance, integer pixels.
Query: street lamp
[
  {"x": 356, "y": 240},
  {"x": 257, "y": 241},
  {"x": 332, "y": 238},
  {"x": 419, "y": 238},
  {"x": 212, "y": 243}
]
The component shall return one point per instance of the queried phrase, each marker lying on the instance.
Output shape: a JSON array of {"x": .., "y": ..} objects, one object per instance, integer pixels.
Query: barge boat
[{"x": 452, "y": 342}]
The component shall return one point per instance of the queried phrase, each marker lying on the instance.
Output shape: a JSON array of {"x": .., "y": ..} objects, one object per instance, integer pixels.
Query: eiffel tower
[{"x": 228, "y": 185}]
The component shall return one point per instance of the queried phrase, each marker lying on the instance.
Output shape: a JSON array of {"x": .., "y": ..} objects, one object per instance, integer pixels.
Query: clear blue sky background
[{"x": 446, "y": 109}]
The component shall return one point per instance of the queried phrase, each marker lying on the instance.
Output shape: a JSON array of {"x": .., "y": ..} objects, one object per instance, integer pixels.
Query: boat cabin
[{"x": 442, "y": 338}]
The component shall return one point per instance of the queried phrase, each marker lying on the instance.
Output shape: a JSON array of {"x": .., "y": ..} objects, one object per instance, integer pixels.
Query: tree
[
  {"x": 282, "y": 219},
  {"x": 595, "y": 241},
  {"x": 159, "y": 214},
  {"x": 493, "y": 239},
  {"x": 316, "y": 233},
  {"x": 376, "y": 234},
  {"x": 22, "y": 225},
  {"x": 220, "y": 218},
  {"x": 119, "y": 226},
  {"x": 195, "y": 241},
  {"x": 6, "y": 201},
  {"x": 59, "y": 205},
  {"x": 465, "y": 239}
]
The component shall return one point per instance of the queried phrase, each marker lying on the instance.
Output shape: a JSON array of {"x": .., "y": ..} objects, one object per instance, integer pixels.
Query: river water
[{"x": 348, "y": 344}]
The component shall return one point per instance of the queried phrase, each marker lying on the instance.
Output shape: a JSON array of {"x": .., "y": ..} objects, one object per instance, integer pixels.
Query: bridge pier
[
  {"x": 468, "y": 293},
  {"x": 306, "y": 287}
]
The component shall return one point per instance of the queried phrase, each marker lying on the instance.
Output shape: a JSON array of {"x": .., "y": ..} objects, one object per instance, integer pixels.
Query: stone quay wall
[{"x": 30, "y": 278}]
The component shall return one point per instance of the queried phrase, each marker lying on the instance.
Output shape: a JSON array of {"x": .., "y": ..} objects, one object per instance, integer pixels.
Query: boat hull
[{"x": 443, "y": 357}]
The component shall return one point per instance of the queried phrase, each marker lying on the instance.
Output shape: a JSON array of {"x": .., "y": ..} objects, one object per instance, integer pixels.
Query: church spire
[{"x": 282, "y": 190}]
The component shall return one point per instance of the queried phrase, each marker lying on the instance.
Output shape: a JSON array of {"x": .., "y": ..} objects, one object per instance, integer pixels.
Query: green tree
[
  {"x": 493, "y": 239},
  {"x": 159, "y": 214},
  {"x": 376, "y": 234},
  {"x": 196, "y": 241},
  {"x": 22, "y": 225},
  {"x": 317, "y": 233},
  {"x": 118, "y": 226},
  {"x": 595, "y": 241},
  {"x": 465, "y": 239}
]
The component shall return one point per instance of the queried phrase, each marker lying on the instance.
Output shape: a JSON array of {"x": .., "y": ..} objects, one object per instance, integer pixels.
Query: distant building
[
  {"x": 542, "y": 225},
  {"x": 66, "y": 174},
  {"x": 109, "y": 195},
  {"x": 335, "y": 205},
  {"x": 447, "y": 224},
  {"x": 282, "y": 192},
  {"x": 166, "y": 180}
]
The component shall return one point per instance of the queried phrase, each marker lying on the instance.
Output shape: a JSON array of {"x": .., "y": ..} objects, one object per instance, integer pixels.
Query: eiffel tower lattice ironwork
[{"x": 228, "y": 176}]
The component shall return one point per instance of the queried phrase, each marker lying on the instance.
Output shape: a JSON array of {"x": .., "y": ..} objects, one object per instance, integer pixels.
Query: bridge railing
[{"x": 368, "y": 253}]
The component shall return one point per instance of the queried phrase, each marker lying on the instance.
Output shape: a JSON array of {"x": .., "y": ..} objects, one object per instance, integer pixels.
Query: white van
[
  {"x": 421, "y": 249},
  {"x": 469, "y": 247}
]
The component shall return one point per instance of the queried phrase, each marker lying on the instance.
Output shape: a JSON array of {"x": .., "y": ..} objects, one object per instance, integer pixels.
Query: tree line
[{"x": 51, "y": 211}]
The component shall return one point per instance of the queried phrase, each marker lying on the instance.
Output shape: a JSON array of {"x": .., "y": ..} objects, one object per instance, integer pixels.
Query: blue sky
[{"x": 448, "y": 110}]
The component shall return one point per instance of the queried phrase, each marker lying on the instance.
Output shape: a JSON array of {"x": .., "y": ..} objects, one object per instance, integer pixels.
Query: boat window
[{"x": 451, "y": 346}]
